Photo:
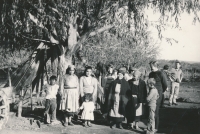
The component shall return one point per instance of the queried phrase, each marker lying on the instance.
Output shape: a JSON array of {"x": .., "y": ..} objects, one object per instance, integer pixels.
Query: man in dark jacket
[{"x": 161, "y": 86}]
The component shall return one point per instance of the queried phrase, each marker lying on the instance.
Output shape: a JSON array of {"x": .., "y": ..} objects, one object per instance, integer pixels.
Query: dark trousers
[
  {"x": 50, "y": 107},
  {"x": 158, "y": 103},
  {"x": 163, "y": 100}
]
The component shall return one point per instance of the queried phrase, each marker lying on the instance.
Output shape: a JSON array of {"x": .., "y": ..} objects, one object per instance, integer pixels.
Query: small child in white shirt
[
  {"x": 151, "y": 100},
  {"x": 88, "y": 108},
  {"x": 51, "y": 104}
]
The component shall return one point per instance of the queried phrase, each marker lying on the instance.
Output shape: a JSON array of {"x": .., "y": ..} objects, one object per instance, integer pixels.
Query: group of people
[
  {"x": 75, "y": 90},
  {"x": 125, "y": 95}
]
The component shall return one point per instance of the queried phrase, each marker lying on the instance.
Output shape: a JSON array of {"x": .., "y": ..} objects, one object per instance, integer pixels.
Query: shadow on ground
[
  {"x": 179, "y": 121},
  {"x": 173, "y": 120}
]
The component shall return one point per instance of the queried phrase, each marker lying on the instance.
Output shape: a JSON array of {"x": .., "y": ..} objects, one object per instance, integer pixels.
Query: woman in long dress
[
  {"x": 70, "y": 101},
  {"x": 118, "y": 98},
  {"x": 88, "y": 84},
  {"x": 139, "y": 94}
]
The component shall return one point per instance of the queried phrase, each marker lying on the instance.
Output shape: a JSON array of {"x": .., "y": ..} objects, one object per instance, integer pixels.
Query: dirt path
[
  {"x": 175, "y": 120},
  {"x": 181, "y": 119}
]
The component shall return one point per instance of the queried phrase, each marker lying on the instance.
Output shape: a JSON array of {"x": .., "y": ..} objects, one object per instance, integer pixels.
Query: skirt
[
  {"x": 87, "y": 115},
  {"x": 70, "y": 104}
]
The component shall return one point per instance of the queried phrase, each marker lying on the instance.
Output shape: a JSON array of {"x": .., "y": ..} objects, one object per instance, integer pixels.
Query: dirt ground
[{"x": 181, "y": 119}]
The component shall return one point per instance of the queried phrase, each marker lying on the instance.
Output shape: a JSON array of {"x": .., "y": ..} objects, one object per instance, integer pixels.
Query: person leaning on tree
[
  {"x": 177, "y": 76},
  {"x": 161, "y": 86}
]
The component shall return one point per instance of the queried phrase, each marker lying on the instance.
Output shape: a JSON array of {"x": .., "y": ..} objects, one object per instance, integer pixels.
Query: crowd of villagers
[{"x": 127, "y": 96}]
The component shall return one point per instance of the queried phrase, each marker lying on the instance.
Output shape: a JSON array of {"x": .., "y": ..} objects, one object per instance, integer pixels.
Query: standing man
[
  {"x": 169, "y": 82},
  {"x": 161, "y": 86},
  {"x": 177, "y": 76}
]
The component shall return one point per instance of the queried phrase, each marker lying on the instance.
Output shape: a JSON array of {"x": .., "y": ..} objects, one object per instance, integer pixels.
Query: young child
[
  {"x": 88, "y": 108},
  {"x": 151, "y": 100},
  {"x": 51, "y": 104}
]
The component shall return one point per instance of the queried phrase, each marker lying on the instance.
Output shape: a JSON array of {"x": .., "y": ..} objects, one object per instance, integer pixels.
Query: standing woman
[
  {"x": 118, "y": 98},
  {"x": 88, "y": 84},
  {"x": 139, "y": 94},
  {"x": 70, "y": 101}
]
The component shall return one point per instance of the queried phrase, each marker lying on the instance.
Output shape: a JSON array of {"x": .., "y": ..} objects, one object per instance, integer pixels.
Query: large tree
[{"x": 60, "y": 27}]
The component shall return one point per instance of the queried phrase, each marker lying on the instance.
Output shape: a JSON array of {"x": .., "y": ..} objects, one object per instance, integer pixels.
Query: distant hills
[{"x": 186, "y": 65}]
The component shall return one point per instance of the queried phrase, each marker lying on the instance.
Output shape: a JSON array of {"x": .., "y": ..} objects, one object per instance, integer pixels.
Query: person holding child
[
  {"x": 88, "y": 109},
  {"x": 151, "y": 100},
  {"x": 51, "y": 104},
  {"x": 70, "y": 97}
]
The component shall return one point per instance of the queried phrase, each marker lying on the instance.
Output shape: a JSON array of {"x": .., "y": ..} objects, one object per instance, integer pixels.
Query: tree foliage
[{"x": 26, "y": 23}]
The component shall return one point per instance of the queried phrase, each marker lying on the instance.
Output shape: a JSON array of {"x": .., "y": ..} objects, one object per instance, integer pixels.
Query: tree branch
[{"x": 87, "y": 35}]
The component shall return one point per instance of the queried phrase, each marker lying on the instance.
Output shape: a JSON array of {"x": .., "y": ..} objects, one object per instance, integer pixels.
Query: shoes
[
  {"x": 136, "y": 127},
  {"x": 55, "y": 122},
  {"x": 70, "y": 124},
  {"x": 120, "y": 126},
  {"x": 89, "y": 124},
  {"x": 111, "y": 125},
  {"x": 175, "y": 104},
  {"x": 65, "y": 124},
  {"x": 85, "y": 124},
  {"x": 169, "y": 104}
]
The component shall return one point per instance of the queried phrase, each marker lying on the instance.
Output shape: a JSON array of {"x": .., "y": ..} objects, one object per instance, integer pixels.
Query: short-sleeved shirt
[{"x": 51, "y": 91}]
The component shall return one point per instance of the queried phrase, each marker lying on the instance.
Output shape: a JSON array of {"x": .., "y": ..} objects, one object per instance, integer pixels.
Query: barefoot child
[
  {"x": 151, "y": 100},
  {"x": 51, "y": 104},
  {"x": 88, "y": 108}
]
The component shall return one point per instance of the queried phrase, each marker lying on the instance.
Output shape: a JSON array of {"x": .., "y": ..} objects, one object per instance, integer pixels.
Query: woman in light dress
[
  {"x": 88, "y": 84},
  {"x": 70, "y": 97}
]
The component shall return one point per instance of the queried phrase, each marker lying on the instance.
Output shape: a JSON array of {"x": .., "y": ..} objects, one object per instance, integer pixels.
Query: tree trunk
[{"x": 9, "y": 78}]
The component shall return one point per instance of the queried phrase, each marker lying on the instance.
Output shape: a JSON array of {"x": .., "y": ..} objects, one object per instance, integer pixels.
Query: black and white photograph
[{"x": 99, "y": 66}]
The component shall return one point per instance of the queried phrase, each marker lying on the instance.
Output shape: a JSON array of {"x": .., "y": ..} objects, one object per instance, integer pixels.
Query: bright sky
[{"x": 188, "y": 37}]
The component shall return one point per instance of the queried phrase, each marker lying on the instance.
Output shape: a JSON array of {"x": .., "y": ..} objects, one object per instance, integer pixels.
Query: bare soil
[{"x": 181, "y": 119}]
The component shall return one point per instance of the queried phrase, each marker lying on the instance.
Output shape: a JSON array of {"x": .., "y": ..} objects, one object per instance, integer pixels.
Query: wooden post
[
  {"x": 20, "y": 103},
  {"x": 31, "y": 99}
]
